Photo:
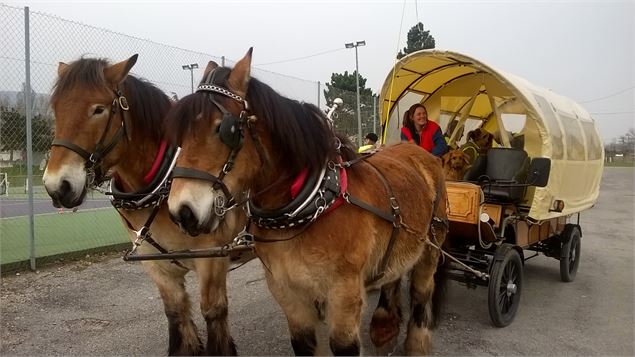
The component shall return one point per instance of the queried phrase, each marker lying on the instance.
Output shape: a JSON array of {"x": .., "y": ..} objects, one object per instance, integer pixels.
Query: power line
[
  {"x": 417, "y": 10},
  {"x": 608, "y": 96},
  {"x": 300, "y": 58}
]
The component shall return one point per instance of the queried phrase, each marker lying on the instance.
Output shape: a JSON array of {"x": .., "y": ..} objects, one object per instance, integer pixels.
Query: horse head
[
  {"x": 106, "y": 120},
  {"x": 89, "y": 122},
  {"x": 216, "y": 155},
  {"x": 237, "y": 134}
]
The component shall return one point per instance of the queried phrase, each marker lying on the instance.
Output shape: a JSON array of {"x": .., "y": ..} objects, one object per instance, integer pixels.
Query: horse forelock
[
  {"x": 194, "y": 108},
  {"x": 181, "y": 119},
  {"x": 83, "y": 74}
]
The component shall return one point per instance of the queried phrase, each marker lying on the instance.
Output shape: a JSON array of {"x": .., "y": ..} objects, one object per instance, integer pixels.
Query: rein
[{"x": 94, "y": 159}]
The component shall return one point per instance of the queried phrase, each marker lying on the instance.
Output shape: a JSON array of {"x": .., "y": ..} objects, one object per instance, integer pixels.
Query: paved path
[
  {"x": 17, "y": 207},
  {"x": 105, "y": 307}
]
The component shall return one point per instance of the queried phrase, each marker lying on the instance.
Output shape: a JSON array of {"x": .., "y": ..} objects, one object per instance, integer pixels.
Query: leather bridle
[
  {"x": 231, "y": 132},
  {"x": 94, "y": 160}
]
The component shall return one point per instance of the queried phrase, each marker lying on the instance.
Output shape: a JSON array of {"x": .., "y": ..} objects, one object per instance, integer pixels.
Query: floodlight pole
[
  {"x": 191, "y": 68},
  {"x": 359, "y": 114}
]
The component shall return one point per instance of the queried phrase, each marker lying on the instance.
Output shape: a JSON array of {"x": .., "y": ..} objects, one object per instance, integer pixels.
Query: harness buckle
[
  {"x": 244, "y": 239},
  {"x": 227, "y": 167},
  {"x": 142, "y": 233},
  {"x": 394, "y": 204},
  {"x": 137, "y": 242},
  {"x": 219, "y": 206},
  {"x": 123, "y": 102},
  {"x": 93, "y": 158}
]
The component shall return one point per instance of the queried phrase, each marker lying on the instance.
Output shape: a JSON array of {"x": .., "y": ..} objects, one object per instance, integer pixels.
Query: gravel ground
[{"x": 101, "y": 306}]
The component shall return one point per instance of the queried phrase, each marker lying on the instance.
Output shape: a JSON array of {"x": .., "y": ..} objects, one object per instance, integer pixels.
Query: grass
[
  {"x": 620, "y": 164},
  {"x": 58, "y": 234},
  {"x": 17, "y": 175}
]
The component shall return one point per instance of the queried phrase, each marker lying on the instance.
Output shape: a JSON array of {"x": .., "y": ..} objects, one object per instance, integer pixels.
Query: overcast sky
[{"x": 580, "y": 49}]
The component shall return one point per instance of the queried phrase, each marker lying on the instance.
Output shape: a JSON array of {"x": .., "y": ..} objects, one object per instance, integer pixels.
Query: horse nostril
[
  {"x": 65, "y": 189},
  {"x": 185, "y": 215}
]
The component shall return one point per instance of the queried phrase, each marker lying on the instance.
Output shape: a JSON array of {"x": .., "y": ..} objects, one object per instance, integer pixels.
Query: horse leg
[
  {"x": 345, "y": 304},
  {"x": 170, "y": 280},
  {"x": 384, "y": 325},
  {"x": 425, "y": 303},
  {"x": 212, "y": 276},
  {"x": 303, "y": 316}
]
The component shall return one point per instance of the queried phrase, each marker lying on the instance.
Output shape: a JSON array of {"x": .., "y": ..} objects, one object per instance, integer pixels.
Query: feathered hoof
[{"x": 418, "y": 343}]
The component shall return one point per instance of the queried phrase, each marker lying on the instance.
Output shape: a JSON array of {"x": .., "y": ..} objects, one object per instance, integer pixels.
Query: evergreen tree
[
  {"x": 342, "y": 86},
  {"x": 418, "y": 39}
]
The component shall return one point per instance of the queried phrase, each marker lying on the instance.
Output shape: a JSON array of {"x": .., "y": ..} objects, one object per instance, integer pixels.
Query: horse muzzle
[
  {"x": 67, "y": 187},
  {"x": 188, "y": 222},
  {"x": 65, "y": 196}
]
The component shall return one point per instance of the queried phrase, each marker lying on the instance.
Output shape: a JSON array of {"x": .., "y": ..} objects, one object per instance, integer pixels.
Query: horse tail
[
  {"x": 440, "y": 289},
  {"x": 441, "y": 274}
]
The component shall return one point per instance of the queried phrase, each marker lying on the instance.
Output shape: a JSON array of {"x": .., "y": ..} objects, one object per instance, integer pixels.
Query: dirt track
[{"x": 103, "y": 306}]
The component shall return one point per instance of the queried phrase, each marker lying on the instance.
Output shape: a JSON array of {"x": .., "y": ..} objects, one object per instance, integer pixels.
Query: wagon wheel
[
  {"x": 506, "y": 278},
  {"x": 570, "y": 252}
]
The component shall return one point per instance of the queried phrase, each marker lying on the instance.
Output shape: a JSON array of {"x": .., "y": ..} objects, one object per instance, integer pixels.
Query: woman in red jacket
[{"x": 423, "y": 132}]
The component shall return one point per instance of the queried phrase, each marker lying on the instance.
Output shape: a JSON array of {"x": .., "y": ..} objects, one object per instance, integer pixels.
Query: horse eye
[{"x": 98, "y": 110}]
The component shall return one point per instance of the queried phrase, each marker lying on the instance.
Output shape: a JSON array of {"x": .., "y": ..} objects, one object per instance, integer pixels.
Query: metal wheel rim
[{"x": 507, "y": 288}]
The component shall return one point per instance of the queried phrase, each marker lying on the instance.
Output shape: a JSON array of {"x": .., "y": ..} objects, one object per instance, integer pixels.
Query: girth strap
[
  {"x": 394, "y": 217},
  {"x": 374, "y": 210}
]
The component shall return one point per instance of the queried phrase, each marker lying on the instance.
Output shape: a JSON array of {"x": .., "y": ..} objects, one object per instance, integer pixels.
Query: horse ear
[
  {"x": 240, "y": 75},
  {"x": 61, "y": 68},
  {"x": 211, "y": 65},
  {"x": 116, "y": 73}
]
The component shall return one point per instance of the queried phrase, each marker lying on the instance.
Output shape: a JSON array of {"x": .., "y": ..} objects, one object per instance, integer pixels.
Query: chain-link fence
[
  {"x": 50, "y": 40},
  {"x": 346, "y": 119}
]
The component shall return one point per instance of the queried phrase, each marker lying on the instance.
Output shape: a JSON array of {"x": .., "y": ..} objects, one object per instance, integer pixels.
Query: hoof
[{"x": 418, "y": 343}]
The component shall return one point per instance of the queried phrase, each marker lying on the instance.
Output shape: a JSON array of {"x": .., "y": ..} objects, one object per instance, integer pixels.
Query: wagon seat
[{"x": 505, "y": 176}]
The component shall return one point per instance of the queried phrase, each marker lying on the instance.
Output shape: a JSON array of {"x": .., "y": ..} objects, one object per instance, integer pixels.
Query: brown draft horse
[
  {"x": 318, "y": 271},
  {"x": 89, "y": 112}
]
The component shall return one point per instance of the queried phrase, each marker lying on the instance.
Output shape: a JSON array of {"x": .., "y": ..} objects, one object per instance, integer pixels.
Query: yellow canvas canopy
[{"x": 460, "y": 89}]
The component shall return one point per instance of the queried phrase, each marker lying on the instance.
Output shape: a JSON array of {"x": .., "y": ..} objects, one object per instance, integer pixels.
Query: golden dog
[{"x": 455, "y": 164}]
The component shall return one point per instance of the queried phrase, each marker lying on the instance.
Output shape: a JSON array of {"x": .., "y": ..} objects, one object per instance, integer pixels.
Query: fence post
[
  {"x": 374, "y": 114},
  {"x": 29, "y": 134}
]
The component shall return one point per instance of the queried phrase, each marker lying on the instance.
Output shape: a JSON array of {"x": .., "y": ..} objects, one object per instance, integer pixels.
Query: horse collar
[
  {"x": 321, "y": 193},
  {"x": 157, "y": 187}
]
